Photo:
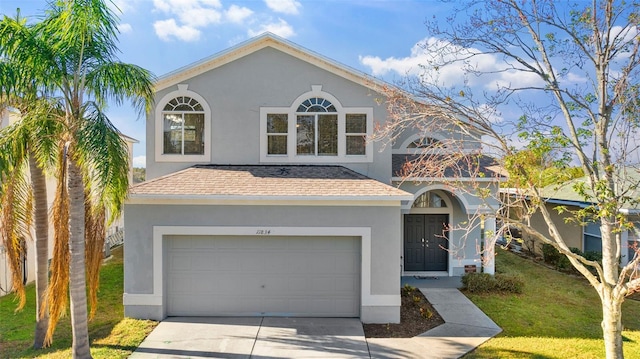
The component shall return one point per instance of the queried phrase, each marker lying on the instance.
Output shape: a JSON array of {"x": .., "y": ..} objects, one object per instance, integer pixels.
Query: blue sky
[{"x": 374, "y": 36}]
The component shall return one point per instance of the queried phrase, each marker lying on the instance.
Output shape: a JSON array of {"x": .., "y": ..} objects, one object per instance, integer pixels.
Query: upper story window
[
  {"x": 183, "y": 127},
  {"x": 316, "y": 128},
  {"x": 183, "y": 122}
]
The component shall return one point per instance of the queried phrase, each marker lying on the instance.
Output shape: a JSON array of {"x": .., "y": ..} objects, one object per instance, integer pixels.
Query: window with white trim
[
  {"x": 183, "y": 127},
  {"x": 592, "y": 237},
  {"x": 429, "y": 200},
  {"x": 277, "y": 130},
  {"x": 316, "y": 128},
  {"x": 424, "y": 142},
  {"x": 356, "y": 133}
]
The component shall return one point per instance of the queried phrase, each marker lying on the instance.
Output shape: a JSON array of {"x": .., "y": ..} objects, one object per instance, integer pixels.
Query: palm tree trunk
[
  {"x": 39, "y": 184},
  {"x": 77, "y": 280}
]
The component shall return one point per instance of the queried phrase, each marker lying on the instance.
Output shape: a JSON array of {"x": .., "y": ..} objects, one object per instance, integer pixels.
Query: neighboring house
[
  {"x": 586, "y": 237},
  {"x": 263, "y": 196},
  {"x": 8, "y": 117}
]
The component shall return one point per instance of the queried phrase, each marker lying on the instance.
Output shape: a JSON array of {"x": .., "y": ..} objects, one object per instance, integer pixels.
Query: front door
[{"x": 425, "y": 242}]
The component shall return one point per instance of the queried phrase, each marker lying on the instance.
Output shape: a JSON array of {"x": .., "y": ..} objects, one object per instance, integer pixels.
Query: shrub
[
  {"x": 512, "y": 283},
  {"x": 550, "y": 254},
  {"x": 484, "y": 283},
  {"x": 479, "y": 282},
  {"x": 555, "y": 258}
]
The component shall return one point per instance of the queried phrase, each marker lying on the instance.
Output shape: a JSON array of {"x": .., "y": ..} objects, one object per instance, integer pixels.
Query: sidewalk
[{"x": 465, "y": 328}]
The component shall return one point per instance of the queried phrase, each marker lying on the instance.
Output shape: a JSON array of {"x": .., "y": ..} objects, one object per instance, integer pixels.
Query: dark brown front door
[{"x": 425, "y": 242}]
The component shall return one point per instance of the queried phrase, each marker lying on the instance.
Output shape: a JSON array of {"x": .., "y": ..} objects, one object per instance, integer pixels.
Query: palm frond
[
  {"x": 15, "y": 222},
  {"x": 103, "y": 155},
  {"x": 57, "y": 292},
  {"x": 120, "y": 81},
  {"x": 94, "y": 223}
]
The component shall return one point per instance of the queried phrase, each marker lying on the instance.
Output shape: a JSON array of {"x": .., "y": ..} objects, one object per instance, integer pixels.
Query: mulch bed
[{"x": 416, "y": 317}]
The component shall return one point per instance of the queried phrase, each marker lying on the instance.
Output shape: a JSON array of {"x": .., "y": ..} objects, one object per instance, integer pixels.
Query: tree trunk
[
  {"x": 77, "y": 280},
  {"x": 41, "y": 215},
  {"x": 612, "y": 327}
]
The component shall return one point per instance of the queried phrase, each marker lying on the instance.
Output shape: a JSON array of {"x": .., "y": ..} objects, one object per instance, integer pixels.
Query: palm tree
[
  {"x": 29, "y": 141},
  {"x": 74, "y": 55}
]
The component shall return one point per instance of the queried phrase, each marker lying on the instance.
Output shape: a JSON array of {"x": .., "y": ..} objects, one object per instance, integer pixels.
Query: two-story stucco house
[{"x": 265, "y": 198}]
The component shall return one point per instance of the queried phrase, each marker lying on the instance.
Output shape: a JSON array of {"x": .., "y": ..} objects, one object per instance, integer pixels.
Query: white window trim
[
  {"x": 291, "y": 156},
  {"x": 159, "y": 127}
]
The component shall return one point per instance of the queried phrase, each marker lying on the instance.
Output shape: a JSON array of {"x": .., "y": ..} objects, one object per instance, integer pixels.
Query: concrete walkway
[{"x": 465, "y": 328}]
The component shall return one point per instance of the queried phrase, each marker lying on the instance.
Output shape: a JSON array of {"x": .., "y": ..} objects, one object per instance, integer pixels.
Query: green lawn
[
  {"x": 557, "y": 316},
  {"x": 112, "y": 335}
]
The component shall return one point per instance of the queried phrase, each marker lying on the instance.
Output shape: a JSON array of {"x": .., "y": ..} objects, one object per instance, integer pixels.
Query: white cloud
[
  {"x": 140, "y": 161},
  {"x": 280, "y": 28},
  {"x": 290, "y": 7},
  {"x": 237, "y": 14},
  {"x": 125, "y": 28},
  {"x": 189, "y": 17},
  {"x": 200, "y": 17},
  {"x": 168, "y": 29}
]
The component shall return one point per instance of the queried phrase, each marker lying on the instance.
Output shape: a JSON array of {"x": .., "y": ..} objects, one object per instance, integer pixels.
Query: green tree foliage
[{"x": 70, "y": 56}]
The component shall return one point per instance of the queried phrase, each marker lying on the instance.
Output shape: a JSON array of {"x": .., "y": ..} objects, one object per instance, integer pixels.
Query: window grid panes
[
  {"x": 429, "y": 200},
  {"x": 356, "y": 132},
  {"x": 277, "y": 129},
  {"x": 316, "y": 130},
  {"x": 424, "y": 142},
  {"x": 183, "y": 127}
]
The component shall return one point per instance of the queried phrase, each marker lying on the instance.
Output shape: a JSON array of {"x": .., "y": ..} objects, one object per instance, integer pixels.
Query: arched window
[
  {"x": 423, "y": 142},
  {"x": 429, "y": 200},
  {"x": 316, "y": 128},
  {"x": 183, "y": 119}
]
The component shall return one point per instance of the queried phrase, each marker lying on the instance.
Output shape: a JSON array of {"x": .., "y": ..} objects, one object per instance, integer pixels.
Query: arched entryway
[{"x": 426, "y": 241}]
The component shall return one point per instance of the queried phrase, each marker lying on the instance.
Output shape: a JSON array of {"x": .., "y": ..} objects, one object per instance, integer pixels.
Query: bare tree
[{"x": 558, "y": 81}]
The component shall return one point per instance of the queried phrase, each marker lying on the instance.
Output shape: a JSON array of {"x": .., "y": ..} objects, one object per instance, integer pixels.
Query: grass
[
  {"x": 111, "y": 335},
  {"x": 557, "y": 316}
]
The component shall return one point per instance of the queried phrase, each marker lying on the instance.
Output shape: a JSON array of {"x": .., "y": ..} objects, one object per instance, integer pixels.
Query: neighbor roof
[{"x": 268, "y": 182}]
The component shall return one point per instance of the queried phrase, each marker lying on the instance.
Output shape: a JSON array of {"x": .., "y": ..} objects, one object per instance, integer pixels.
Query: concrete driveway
[{"x": 255, "y": 337}]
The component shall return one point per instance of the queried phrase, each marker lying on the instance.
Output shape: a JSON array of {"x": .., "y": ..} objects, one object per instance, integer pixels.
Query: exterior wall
[
  {"x": 267, "y": 78},
  {"x": 570, "y": 232},
  {"x": 384, "y": 224}
]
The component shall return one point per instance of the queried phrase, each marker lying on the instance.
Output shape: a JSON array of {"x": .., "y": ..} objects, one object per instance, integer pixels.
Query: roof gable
[{"x": 260, "y": 42}]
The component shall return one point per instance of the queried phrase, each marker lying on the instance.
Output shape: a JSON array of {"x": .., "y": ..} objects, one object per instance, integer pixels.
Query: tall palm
[
  {"x": 29, "y": 141},
  {"x": 76, "y": 56}
]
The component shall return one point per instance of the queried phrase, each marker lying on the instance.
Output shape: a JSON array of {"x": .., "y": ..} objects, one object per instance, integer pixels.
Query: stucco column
[{"x": 488, "y": 254}]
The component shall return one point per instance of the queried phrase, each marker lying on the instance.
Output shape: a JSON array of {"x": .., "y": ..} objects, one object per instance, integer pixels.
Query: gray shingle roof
[{"x": 268, "y": 181}]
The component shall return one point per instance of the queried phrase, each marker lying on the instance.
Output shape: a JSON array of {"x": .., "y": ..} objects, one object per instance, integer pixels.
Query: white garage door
[{"x": 263, "y": 276}]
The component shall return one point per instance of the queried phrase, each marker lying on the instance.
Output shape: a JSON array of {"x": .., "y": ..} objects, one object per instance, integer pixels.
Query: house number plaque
[{"x": 263, "y": 232}]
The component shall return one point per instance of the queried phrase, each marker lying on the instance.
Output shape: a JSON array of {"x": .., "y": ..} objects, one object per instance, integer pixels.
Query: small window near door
[{"x": 429, "y": 200}]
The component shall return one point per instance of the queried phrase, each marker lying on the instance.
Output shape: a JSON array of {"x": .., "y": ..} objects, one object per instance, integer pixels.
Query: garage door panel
[{"x": 307, "y": 276}]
